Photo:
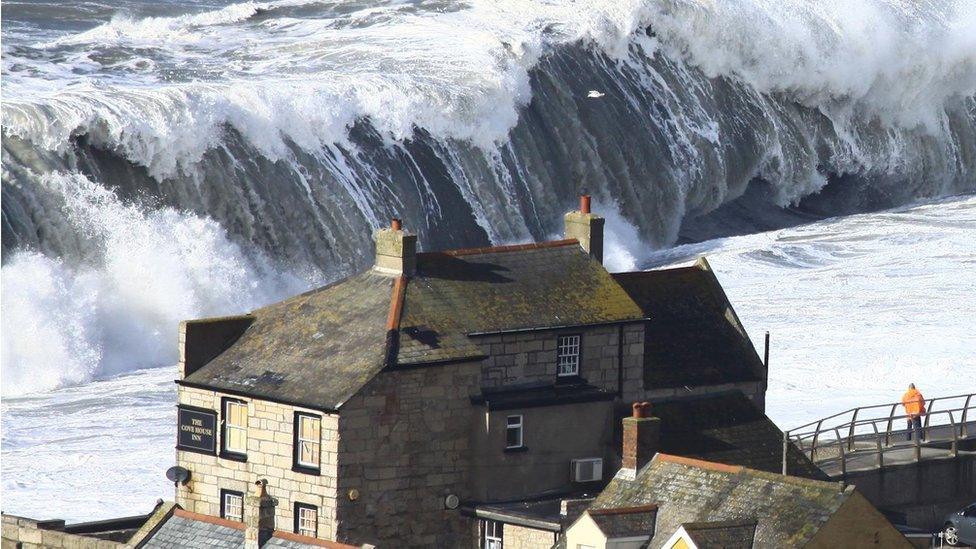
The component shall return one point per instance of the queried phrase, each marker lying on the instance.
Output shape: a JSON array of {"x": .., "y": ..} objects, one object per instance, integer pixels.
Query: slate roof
[
  {"x": 625, "y": 522},
  {"x": 188, "y": 530},
  {"x": 507, "y": 288},
  {"x": 724, "y": 534},
  {"x": 694, "y": 336},
  {"x": 790, "y": 509},
  {"x": 727, "y": 428},
  {"x": 317, "y": 349}
]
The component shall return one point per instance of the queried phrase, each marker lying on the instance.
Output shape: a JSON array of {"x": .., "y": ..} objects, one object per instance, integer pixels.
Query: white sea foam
[{"x": 65, "y": 324}]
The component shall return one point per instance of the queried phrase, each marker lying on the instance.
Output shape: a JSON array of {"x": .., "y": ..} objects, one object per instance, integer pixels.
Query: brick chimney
[
  {"x": 396, "y": 250},
  {"x": 586, "y": 227},
  {"x": 259, "y": 516},
  {"x": 642, "y": 434}
]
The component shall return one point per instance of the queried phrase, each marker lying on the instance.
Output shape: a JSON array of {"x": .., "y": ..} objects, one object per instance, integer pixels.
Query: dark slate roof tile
[
  {"x": 694, "y": 336},
  {"x": 790, "y": 509},
  {"x": 727, "y": 428},
  {"x": 315, "y": 349},
  {"x": 625, "y": 522},
  {"x": 726, "y": 534}
]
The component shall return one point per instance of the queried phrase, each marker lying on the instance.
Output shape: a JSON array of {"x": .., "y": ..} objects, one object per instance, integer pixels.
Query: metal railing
[{"x": 873, "y": 430}]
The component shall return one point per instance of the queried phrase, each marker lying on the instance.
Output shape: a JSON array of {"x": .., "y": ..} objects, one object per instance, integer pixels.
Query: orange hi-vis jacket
[{"x": 914, "y": 403}]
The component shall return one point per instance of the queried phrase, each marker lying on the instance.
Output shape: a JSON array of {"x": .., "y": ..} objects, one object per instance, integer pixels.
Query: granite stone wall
[
  {"x": 404, "y": 446},
  {"x": 521, "y": 537},
  {"x": 526, "y": 357},
  {"x": 269, "y": 456},
  {"x": 24, "y": 533}
]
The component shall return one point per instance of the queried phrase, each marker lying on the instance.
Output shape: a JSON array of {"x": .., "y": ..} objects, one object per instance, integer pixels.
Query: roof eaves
[
  {"x": 624, "y": 510},
  {"x": 559, "y": 327},
  {"x": 700, "y": 463},
  {"x": 318, "y": 407}
]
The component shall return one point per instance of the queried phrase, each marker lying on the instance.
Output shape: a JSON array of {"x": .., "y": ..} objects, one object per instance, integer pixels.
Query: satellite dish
[
  {"x": 178, "y": 475},
  {"x": 451, "y": 501}
]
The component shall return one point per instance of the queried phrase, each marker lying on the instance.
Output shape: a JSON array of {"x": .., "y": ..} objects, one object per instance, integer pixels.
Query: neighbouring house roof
[
  {"x": 791, "y": 510},
  {"x": 727, "y": 534},
  {"x": 727, "y": 428},
  {"x": 184, "y": 529},
  {"x": 625, "y": 522},
  {"x": 317, "y": 349},
  {"x": 694, "y": 335},
  {"x": 540, "y": 513}
]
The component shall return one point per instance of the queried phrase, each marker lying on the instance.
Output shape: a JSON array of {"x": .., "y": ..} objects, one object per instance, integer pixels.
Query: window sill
[
  {"x": 306, "y": 470},
  {"x": 233, "y": 457},
  {"x": 516, "y": 450}
]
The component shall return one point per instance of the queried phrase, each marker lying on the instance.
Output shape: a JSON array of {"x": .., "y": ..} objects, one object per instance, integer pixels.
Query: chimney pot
[
  {"x": 585, "y": 203},
  {"x": 396, "y": 224},
  {"x": 636, "y": 410}
]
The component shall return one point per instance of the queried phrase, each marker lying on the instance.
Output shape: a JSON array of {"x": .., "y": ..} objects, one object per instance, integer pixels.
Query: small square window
[
  {"x": 306, "y": 520},
  {"x": 232, "y": 505},
  {"x": 513, "y": 432},
  {"x": 568, "y": 355}
]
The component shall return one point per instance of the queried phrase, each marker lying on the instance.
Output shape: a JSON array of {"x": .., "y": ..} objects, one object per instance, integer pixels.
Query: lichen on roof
[
  {"x": 317, "y": 349},
  {"x": 790, "y": 510}
]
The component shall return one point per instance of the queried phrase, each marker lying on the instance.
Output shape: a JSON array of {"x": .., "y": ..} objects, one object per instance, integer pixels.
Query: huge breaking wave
[{"x": 286, "y": 131}]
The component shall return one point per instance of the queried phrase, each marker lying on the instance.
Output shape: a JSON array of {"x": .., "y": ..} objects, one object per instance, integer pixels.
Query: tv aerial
[{"x": 178, "y": 475}]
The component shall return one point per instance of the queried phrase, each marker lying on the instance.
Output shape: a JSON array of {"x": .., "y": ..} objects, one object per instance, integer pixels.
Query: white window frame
[
  {"x": 519, "y": 427},
  {"x": 225, "y": 506},
  {"x": 303, "y": 522},
  {"x": 493, "y": 534},
  {"x": 568, "y": 355},
  {"x": 228, "y": 426},
  {"x": 316, "y": 442}
]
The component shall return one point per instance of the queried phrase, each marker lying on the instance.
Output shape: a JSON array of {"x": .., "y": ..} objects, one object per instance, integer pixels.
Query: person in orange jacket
[{"x": 914, "y": 404}]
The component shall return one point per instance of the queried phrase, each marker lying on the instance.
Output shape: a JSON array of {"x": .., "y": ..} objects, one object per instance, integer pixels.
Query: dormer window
[{"x": 568, "y": 355}]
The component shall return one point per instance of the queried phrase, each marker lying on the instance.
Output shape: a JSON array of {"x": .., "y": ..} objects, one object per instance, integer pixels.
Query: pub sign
[{"x": 197, "y": 430}]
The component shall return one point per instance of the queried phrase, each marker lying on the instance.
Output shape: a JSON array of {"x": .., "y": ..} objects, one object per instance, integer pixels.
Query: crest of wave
[
  {"x": 899, "y": 61},
  {"x": 66, "y": 324},
  {"x": 457, "y": 73}
]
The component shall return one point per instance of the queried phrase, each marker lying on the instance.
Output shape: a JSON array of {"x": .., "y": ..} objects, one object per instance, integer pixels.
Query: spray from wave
[
  {"x": 66, "y": 324},
  {"x": 283, "y": 132}
]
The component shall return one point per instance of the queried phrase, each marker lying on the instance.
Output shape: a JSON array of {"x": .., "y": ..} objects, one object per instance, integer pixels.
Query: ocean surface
[{"x": 173, "y": 159}]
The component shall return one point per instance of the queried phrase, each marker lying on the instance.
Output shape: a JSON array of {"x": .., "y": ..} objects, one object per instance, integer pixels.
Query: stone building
[{"x": 464, "y": 397}]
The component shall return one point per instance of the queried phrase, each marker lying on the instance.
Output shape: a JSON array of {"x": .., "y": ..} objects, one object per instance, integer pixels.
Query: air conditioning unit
[{"x": 587, "y": 470}]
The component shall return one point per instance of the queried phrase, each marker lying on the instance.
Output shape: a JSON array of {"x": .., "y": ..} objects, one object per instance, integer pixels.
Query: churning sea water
[{"x": 174, "y": 159}]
